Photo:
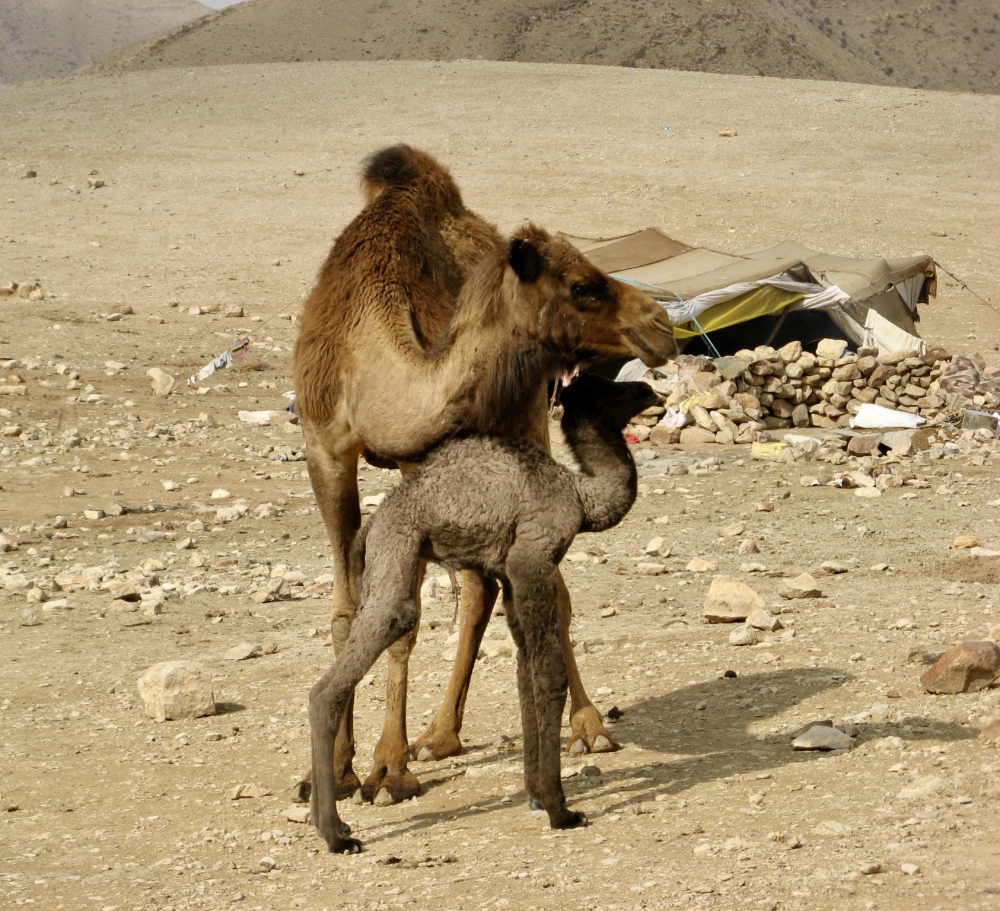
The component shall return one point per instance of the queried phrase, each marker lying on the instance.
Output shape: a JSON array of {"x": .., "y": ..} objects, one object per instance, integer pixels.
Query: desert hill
[
  {"x": 949, "y": 45},
  {"x": 42, "y": 39}
]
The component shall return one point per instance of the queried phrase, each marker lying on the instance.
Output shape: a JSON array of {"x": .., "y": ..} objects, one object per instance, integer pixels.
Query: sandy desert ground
[{"x": 225, "y": 186}]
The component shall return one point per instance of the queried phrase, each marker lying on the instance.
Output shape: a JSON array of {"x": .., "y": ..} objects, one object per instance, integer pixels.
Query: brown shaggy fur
[
  {"x": 425, "y": 323},
  {"x": 507, "y": 510}
]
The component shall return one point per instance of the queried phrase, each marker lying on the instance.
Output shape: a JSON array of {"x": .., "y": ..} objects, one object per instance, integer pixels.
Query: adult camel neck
[
  {"x": 491, "y": 355},
  {"x": 606, "y": 483},
  {"x": 483, "y": 377}
]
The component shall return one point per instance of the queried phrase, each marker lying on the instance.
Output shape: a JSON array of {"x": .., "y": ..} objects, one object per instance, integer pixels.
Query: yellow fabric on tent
[{"x": 763, "y": 301}]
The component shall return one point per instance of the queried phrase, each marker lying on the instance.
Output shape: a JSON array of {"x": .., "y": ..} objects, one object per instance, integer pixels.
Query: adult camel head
[
  {"x": 584, "y": 316},
  {"x": 534, "y": 310}
]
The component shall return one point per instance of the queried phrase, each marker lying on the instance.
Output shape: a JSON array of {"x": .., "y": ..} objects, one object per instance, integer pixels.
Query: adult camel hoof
[
  {"x": 588, "y": 734},
  {"x": 603, "y": 745},
  {"x": 301, "y": 791},
  {"x": 392, "y": 787},
  {"x": 346, "y": 785},
  {"x": 436, "y": 745}
]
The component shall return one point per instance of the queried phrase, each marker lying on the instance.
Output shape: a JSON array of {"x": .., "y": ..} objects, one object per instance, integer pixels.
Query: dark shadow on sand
[{"x": 715, "y": 742}]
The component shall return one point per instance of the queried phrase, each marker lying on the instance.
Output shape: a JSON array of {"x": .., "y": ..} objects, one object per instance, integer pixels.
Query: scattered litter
[
  {"x": 878, "y": 417},
  {"x": 267, "y": 417},
  {"x": 222, "y": 362}
]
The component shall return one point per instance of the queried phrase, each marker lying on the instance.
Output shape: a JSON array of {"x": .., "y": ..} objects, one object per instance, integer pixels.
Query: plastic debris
[
  {"x": 878, "y": 417},
  {"x": 222, "y": 362}
]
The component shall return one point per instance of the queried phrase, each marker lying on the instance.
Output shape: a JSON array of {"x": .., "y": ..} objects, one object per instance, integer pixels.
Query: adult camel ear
[{"x": 525, "y": 259}]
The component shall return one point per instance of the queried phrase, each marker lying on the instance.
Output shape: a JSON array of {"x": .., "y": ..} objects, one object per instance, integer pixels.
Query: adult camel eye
[{"x": 584, "y": 291}]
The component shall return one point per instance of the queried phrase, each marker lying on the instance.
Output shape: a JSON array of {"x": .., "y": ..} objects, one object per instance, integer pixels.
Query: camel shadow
[
  {"x": 229, "y": 708},
  {"x": 707, "y": 727}
]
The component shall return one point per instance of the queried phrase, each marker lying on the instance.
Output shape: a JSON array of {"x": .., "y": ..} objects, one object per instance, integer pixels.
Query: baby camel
[{"x": 508, "y": 510}]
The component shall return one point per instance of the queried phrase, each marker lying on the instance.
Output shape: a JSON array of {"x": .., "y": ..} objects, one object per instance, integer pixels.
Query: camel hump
[{"x": 403, "y": 167}]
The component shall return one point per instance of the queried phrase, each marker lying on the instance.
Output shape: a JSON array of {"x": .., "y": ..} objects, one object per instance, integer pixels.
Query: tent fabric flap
[
  {"x": 763, "y": 300},
  {"x": 720, "y": 289}
]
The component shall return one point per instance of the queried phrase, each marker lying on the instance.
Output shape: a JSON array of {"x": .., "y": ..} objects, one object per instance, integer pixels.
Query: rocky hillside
[
  {"x": 42, "y": 39},
  {"x": 949, "y": 45}
]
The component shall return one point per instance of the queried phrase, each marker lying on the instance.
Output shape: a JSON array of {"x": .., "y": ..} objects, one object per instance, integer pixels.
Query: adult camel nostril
[{"x": 654, "y": 343}]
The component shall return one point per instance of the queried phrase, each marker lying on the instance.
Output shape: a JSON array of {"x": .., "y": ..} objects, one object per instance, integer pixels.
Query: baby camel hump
[{"x": 476, "y": 496}]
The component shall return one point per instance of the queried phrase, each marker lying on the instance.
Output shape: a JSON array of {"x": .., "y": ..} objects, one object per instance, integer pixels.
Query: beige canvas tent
[{"x": 872, "y": 302}]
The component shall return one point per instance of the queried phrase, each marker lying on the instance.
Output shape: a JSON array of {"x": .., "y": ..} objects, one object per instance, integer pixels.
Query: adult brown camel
[{"x": 419, "y": 328}]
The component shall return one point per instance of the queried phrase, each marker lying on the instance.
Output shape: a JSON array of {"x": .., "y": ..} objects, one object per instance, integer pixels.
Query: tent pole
[
  {"x": 701, "y": 331},
  {"x": 777, "y": 327}
]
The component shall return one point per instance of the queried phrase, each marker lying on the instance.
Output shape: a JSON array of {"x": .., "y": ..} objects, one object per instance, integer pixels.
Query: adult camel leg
[
  {"x": 389, "y": 768},
  {"x": 441, "y": 739},
  {"x": 334, "y": 478},
  {"x": 587, "y": 731}
]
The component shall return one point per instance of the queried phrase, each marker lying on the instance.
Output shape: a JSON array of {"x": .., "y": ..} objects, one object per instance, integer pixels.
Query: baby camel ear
[{"x": 525, "y": 259}]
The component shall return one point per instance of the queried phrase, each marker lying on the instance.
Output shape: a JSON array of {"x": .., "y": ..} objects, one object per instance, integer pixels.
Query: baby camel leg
[
  {"x": 389, "y": 614},
  {"x": 529, "y": 717},
  {"x": 542, "y": 683},
  {"x": 441, "y": 738},
  {"x": 587, "y": 731}
]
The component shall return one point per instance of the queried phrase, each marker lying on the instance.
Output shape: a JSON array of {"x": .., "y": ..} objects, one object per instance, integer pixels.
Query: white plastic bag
[{"x": 878, "y": 417}]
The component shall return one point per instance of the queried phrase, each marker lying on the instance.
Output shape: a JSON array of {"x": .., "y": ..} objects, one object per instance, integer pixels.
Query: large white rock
[
  {"x": 802, "y": 586},
  {"x": 177, "y": 689},
  {"x": 162, "y": 382},
  {"x": 831, "y": 348},
  {"x": 731, "y": 601}
]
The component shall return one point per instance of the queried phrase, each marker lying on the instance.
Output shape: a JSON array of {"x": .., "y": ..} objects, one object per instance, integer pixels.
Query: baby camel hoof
[
  {"x": 571, "y": 820},
  {"x": 301, "y": 791},
  {"x": 534, "y": 804}
]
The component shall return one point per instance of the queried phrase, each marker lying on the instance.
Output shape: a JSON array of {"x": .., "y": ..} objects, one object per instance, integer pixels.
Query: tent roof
[{"x": 653, "y": 258}]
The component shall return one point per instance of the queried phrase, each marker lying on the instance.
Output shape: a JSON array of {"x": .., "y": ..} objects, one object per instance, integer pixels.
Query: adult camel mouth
[
  {"x": 649, "y": 354},
  {"x": 654, "y": 345}
]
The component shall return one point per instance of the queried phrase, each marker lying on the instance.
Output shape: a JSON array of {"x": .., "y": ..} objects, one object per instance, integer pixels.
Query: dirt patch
[{"x": 982, "y": 570}]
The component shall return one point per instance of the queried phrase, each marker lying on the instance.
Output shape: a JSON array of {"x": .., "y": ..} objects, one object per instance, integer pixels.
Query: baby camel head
[
  {"x": 582, "y": 315},
  {"x": 596, "y": 401}
]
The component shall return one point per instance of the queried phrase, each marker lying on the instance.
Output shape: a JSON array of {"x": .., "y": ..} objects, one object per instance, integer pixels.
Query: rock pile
[
  {"x": 739, "y": 399},
  {"x": 29, "y": 290}
]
